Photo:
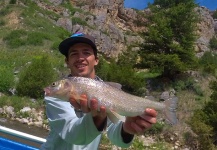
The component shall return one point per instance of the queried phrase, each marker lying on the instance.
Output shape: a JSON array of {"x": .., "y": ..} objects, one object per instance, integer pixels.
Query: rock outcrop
[
  {"x": 116, "y": 27},
  {"x": 206, "y": 30}
]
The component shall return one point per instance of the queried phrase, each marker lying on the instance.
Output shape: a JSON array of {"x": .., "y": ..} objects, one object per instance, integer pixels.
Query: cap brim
[{"x": 67, "y": 43}]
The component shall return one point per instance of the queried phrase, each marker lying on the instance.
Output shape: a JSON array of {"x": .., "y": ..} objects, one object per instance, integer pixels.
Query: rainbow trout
[{"x": 117, "y": 102}]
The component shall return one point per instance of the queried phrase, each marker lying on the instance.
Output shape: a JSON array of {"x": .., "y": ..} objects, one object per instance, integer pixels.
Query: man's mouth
[{"x": 80, "y": 66}]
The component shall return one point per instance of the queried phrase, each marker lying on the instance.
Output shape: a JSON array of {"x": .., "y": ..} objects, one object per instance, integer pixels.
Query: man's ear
[
  {"x": 96, "y": 61},
  {"x": 66, "y": 61}
]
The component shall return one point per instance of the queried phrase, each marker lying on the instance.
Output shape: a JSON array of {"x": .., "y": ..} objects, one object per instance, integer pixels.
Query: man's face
[{"x": 81, "y": 60}]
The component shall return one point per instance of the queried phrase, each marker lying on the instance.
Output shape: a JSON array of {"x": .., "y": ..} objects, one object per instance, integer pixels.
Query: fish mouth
[{"x": 47, "y": 91}]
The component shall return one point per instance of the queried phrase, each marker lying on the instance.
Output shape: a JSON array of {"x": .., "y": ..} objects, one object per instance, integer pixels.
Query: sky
[{"x": 141, "y": 4}]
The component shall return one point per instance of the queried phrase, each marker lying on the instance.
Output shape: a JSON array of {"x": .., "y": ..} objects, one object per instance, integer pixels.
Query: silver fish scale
[{"x": 112, "y": 98}]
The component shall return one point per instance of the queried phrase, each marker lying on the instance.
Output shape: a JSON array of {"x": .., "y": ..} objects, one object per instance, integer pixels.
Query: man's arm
[
  {"x": 122, "y": 134},
  {"x": 67, "y": 125}
]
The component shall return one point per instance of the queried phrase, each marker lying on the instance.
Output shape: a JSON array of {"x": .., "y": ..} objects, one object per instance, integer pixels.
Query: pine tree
[{"x": 169, "y": 40}]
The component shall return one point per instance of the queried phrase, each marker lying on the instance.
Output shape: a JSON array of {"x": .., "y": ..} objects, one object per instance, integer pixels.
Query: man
[{"x": 79, "y": 126}]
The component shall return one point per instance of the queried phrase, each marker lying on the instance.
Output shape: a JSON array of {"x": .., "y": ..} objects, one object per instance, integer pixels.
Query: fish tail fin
[{"x": 170, "y": 110}]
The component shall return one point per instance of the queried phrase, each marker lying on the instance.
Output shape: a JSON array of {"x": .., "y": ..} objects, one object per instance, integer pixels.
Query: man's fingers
[
  {"x": 151, "y": 112},
  {"x": 149, "y": 119},
  {"x": 84, "y": 105},
  {"x": 138, "y": 129},
  {"x": 149, "y": 115},
  {"x": 102, "y": 112},
  {"x": 94, "y": 107},
  {"x": 143, "y": 124},
  {"x": 74, "y": 103}
]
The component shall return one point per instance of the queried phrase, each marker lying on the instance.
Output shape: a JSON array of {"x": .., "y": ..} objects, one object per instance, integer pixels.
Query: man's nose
[{"x": 81, "y": 56}]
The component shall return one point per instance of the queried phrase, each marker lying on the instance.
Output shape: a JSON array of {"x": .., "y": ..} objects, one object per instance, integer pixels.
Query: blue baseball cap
[{"x": 77, "y": 38}]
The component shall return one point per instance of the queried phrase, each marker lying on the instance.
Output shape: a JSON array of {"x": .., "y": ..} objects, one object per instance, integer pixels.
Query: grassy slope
[{"x": 30, "y": 21}]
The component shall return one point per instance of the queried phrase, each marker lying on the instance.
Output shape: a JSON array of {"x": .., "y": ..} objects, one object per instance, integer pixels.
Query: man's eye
[
  {"x": 73, "y": 54},
  {"x": 87, "y": 53}
]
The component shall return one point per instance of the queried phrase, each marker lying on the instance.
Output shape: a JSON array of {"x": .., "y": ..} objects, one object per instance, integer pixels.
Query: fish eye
[{"x": 54, "y": 84}]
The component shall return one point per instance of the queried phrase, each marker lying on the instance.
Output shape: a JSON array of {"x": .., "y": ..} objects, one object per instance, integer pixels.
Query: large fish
[{"x": 117, "y": 102}]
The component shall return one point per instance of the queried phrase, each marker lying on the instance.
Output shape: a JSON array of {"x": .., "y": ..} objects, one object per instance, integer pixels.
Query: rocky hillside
[{"x": 115, "y": 27}]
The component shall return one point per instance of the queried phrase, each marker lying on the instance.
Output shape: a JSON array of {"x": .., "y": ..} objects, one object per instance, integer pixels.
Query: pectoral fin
[{"x": 115, "y": 117}]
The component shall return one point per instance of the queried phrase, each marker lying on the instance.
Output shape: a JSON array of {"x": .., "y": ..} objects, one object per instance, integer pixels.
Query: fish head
[{"x": 59, "y": 89}]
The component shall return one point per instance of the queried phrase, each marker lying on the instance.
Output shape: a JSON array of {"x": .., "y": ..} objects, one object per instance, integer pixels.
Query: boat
[{"x": 23, "y": 140}]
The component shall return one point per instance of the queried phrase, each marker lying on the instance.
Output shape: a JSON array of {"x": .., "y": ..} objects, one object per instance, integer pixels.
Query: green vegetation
[
  {"x": 19, "y": 102},
  {"x": 169, "y": 40},
  {"x": 12, "y": 1},
  {"x": 72, "y": 9},
  {"x": 18, "y": 38},
  {"x": 204, "y": 122},
  {"x": 4, "y": 11},
  {"x": 6, "y": 78},
  {"x": 215, "y": 14},
  {"x": 2, "y": 23},
  {"x": 35, "y": 77},
  {"x": 187, "y": 83},
  {"x": 137, "y": 144},
  {"x": 122, "y": 71},
  {"x": 77, "y": 20},
  {"x": 208, "y": 63},
  {"x": 213, "y": 43}
]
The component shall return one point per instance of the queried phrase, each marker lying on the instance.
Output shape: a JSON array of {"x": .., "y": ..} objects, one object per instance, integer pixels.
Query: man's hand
[
  {"x": 138, "y": 125},
  {"x": 98, "y": 113}
]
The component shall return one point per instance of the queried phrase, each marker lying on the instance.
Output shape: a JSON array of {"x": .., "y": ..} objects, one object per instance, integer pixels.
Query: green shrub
[
  {"x": 204, "y": 121},
  {"x": 37, "y": 38},
  {"x": 137, "y": 144},
  {"x": 13, "y": 2},
  {"x": 211, "y": 107},
  {"x": 35, "y": 77},
  {"x": 188, "y": 83},
  {"x": 77, "y": 20},
  {"x": 17, "y": 102},
  {"x": 213, "y": 43},
  {"x": 198, "y": 90},
  {"x": 70, "y": 7},
  {"x": 124, "y": 74},
  {"x": 6, "y": 78},
  {"x": 157, "y": 128},
  {"x": 179, "y": 85},
  {"x": 16, "y": 38},
  {"x": 19, "y": 38},
  {"x": 208, "y": 62},
  {"x": 4, "y": 11},
  {"x": 55, "y": 45},
  {"x": 203, "y": 130},
  {"x": 215, "y": 14},
  {"x": 2, "y": 22}
]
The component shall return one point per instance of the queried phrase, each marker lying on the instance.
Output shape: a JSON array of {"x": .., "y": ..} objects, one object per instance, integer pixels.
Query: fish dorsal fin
[
  {"x": 115, "y": 85},
  {"x": 115, "y": 117}
]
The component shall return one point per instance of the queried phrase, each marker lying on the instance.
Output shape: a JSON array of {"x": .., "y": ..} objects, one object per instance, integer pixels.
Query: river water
[{"x": 15, "y": 125}]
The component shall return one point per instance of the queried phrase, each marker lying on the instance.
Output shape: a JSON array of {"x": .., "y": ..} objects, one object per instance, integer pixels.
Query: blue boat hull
[{"x": 6, "y": 144}]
